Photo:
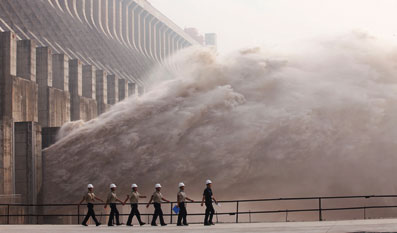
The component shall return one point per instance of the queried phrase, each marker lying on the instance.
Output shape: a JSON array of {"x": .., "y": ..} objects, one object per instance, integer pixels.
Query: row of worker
[{"x": 156, "y": 199}]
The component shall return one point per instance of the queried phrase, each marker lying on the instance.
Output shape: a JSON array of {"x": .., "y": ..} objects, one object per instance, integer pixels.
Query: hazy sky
[{"x": 275, "y": 23}]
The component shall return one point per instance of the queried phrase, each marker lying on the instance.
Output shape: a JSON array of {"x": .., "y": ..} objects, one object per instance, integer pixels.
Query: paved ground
[{"x": 359, "y": 226}]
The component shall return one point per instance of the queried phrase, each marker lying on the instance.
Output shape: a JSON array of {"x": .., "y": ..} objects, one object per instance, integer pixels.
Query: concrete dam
[{"x": 69, "y": 60}]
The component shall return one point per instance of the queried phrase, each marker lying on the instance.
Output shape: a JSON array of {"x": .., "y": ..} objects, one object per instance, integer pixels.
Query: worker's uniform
[
  {"x": 112, "y": 197},
  {"x": 181, "y": 197},
  {"x": 89, "y": 197},
  {"x": 156, "y": 197},
  {"x": 209, "y": 211},
  {"x": 134, "y": 199}
]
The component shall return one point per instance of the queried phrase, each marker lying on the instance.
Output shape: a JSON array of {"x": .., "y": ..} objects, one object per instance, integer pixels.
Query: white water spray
[{"x": 320, "y": 121}]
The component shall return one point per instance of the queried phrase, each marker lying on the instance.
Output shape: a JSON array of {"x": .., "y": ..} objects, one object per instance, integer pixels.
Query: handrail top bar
[{"x": 226, "y": 201}]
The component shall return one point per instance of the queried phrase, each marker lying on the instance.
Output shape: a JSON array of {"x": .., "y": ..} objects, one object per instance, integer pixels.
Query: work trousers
[
  {"x": 90, "y": 213},
  {"x": 113, "y": 213},
  {"x": 182, "y": 214},
  {"x": 158, "y": 213},
  {"x": 209, "y": 212},
  {"x": 134, "y": 211}
]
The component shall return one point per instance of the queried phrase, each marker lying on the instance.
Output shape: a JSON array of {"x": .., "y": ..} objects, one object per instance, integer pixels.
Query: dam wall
[{"x": 69, "y": 60}]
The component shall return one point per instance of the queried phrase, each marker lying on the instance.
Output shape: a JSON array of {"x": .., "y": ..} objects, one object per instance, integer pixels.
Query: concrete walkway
[{"x": 358, "y": 226}]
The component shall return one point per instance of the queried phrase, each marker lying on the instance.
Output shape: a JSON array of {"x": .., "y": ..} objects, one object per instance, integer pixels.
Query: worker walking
[
  {"x": 208, "y": 197},
  {"x": 90, "y": 198},
  {"x": 134, "y": 199},
  {"x": 181, "y": 199},
  {"x": 156, "y": 198},
  {"x": 111, "y": 200}
]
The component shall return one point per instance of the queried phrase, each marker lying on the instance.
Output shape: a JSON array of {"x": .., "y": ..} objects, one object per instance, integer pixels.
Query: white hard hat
[
  {"x": 134, "y": 186},
  {"x": 181, "y": 184},
  {"x": 157, "y": 186},
  {"x": 208, "y": 182},
  {"x": 113, "y": 186},
  {"x": 90, "y": 186}
]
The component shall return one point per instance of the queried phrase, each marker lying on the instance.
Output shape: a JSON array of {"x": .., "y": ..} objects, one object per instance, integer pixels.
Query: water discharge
[{"x": 319, "y": 120}]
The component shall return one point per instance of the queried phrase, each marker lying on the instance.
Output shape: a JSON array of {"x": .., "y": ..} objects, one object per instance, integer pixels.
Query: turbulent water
[{"x": 318, "y": 120}]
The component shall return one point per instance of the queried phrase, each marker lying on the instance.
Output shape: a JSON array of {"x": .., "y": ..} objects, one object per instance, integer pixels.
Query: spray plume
[{"x": 319, "y": 121}]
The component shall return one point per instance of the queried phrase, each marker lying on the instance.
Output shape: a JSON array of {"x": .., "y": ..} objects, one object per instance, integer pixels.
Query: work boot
[
  {"x": 85, "y": 224},
  {"x": 98, "y": 224},
  {"x": 142, "y": 223}
]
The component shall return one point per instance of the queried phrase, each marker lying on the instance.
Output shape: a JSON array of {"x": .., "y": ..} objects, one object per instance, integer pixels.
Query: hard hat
[
  {"x": 157, "y": 186},
  {"x": 134, "y": 186},
  {"x": 208, "y": 182},
  {"x": 113, "y": 186},
  {"x": 181, "y": 184},
  {"x": 90, "y": 186}
]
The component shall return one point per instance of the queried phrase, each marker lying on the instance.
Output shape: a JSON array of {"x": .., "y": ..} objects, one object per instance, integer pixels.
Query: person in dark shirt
[{"x": 208, "y": 197}]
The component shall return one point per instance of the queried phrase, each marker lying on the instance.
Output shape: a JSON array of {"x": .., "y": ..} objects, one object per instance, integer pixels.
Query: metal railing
[{"x": 319, "y": 209}]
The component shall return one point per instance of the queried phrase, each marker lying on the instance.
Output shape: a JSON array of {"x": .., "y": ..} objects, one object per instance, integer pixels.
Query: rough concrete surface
[{"x": 357, "y": 226}]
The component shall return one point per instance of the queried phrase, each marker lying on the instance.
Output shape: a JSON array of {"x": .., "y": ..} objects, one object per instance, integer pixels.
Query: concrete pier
[
  {"x": 8, "y": 46},
  {"x": 24, "y": 100},
  {"x": 123, "y": 89},
  {"x": 8, "y": 68},
  {"x": 6, "y": 156},
  {"x": 75, "y": 77},
  {"x": 44, "y": 66},
  {"x": 89, "y": 81},
  {"x": 28, "y": 161},
  {"x": 60, "y": 72},
  {"x": 131, "y": 88},
  {"x": 26, "y": 59},
  {"x": 113, "y": 89},
  {"x": 75, "y": 87},
  {"x": 102, "y": 91}
]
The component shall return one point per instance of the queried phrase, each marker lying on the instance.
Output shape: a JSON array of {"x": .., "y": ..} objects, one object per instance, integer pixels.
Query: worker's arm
[
  {"x": 213, "y": 198},
  {"x": 142, "y": 196},
  {"x": 178, "y": 200},
  {"x": 82, "y": 201},
  {"x": 128, "y": 196},
  {"x": 187, "y": 198},
  {"x": 120, "y": 201},
  {"x": 202, "y": 201},
  {"x": 147, "y": 206},
  {"x": 165, "y": 199}
]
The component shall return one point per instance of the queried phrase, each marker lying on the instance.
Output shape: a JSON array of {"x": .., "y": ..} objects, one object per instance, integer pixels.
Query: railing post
[
  {"x": 320, "y": 214},
  {"x": 78, "y": 214},
  {"x": 8, "y": 213},
  {"x": 171, "y": 214},
  {"x": 237, "y": 212},
  {"x": 286, "y": 215}
]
